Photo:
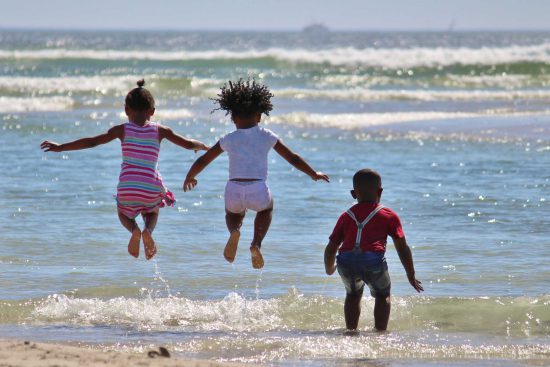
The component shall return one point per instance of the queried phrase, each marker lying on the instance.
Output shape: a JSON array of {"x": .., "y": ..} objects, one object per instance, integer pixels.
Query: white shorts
[{"x": 254, "y": 195}]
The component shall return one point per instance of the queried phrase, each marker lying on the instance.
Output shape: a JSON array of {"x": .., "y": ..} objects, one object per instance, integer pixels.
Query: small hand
[
  {"x": 189, "y": 184},
  {"x": 330, "y": 269},
  {"x": 416, "y": 284},
  {"x": 50, "y": 146},
  {"x": 320, "y": 176},
  {"x": 203, "y": 147}
]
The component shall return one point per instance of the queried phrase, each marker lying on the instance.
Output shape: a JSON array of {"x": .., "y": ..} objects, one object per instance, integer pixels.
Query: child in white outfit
[{"x": 247, "y": 148}]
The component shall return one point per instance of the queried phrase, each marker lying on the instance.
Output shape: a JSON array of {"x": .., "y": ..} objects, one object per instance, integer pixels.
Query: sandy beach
[{"x": 15, "y": 353}]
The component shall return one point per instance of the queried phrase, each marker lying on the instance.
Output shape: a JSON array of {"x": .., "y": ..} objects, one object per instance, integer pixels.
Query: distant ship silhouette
[{"x": 316, "y": 28}]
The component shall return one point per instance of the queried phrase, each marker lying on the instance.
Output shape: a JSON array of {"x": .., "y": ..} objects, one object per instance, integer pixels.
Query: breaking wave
[
  {"x": 376, "y": 57},
  {"x": 517, "y": 316}
]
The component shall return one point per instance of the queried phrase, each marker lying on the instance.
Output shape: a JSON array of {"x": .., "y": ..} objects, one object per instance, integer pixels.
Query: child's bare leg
[
  {"x": 261, "y": 226},
  {"x": 149, "y": 245},
  {"x": 133, "y": 228},
  {"x": 150, "y": 220},
  {"x": 234, "y": 221},
  {"x": 382, "y": 307},
  {"x": 352, "y": 310}
]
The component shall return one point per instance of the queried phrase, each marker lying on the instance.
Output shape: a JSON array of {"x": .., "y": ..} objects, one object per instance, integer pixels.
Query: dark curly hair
[
  {"x": 244, "y": 98},
  {"x": 140, "y": 99}
]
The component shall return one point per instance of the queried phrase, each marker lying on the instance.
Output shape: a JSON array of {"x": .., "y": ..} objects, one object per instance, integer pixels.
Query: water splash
[{"x": 506, "y": 316}]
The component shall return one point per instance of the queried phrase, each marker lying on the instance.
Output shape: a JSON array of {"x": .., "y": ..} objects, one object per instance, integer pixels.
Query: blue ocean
[{"x": 457, "y": 124}]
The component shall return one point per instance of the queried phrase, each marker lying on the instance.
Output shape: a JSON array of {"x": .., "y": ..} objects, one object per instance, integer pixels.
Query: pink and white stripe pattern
[{"x": 140, "y": 188}]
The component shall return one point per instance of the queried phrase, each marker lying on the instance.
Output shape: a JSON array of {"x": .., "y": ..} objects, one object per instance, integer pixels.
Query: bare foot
[
  {"x": 230, "y": 250},
  {"x": 257, "y": 258},
  {"x": 133, "y": 245},
  {"x": 148, "y": 244}
]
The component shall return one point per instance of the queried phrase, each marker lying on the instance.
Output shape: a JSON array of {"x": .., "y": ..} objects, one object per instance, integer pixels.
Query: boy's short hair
[
  {"x": 367, "y": 178},
  {"x": 244, "y": 98}
]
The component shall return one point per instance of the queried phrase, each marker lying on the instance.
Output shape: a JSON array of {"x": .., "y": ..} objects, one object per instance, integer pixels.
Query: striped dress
[{"x": 140, "y": 188}]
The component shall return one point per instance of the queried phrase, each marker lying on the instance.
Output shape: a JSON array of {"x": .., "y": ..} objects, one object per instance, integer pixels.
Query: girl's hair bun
[{"x": 140, "y": 99}]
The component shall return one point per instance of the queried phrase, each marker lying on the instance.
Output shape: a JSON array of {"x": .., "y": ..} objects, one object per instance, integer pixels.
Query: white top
[{"x": 247, "y": 150}]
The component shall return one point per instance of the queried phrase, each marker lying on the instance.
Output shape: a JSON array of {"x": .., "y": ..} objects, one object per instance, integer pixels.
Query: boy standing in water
[
  {"x": 247, "y": 148},
  {"x": 360, "y": 237}
]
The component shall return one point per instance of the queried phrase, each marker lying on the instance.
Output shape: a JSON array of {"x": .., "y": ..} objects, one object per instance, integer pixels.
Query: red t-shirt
[{"x": 374, "y": 236}]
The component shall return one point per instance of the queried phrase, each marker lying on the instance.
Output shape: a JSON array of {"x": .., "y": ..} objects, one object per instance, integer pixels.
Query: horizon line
[{"x": 268, "y": 30}]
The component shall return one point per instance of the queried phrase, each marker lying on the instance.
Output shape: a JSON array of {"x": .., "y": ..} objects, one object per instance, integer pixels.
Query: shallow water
[{"x": 457, "y": 125}]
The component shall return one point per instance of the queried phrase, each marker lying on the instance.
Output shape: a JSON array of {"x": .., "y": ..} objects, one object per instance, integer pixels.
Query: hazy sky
[{"x": 276, "y": 14}]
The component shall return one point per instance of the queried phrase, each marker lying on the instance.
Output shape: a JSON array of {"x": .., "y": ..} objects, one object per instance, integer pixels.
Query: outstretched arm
[
  {"x": 167, "y": 133},
  {"x": 298, "y": 162},
  {"x": 199, "y": 165},
  {"x": 405, "y": 255},
  {"x": 85, "y": 143},
  {"x": 330, "y": 257}
]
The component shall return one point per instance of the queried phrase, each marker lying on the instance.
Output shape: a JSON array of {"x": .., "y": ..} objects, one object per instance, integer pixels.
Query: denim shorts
[{"x": 359, "y": 268}]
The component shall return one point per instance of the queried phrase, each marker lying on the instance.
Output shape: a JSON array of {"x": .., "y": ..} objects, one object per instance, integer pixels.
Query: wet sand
[{"x": 14, "y": 353}]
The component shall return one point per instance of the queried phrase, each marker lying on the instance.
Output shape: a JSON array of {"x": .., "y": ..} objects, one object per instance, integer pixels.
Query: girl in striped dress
[{"x": 140, "y": 189}]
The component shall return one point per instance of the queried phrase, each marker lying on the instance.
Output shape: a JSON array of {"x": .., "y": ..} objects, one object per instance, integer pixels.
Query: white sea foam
[
  {"x": 368, "y": 347},
  {"x": 362, "y": 120},
  {"x": 34, "y": 104},
  {"x": 498, "y": 81},
  {"x": 294, "y": 312},
  {"x": 171, "y": 114},
  {"x": 96, "y": 83},
  {"x": 506, "y": 81},
  {"x": 363, "y": 94},
  {"x": 357, "y": 87},
  {"x": 232, "y": 313},
  {"x": 167, "y": 114},
  {"x": 378, "y": 57},
  {"x": 70, "y": 83}
]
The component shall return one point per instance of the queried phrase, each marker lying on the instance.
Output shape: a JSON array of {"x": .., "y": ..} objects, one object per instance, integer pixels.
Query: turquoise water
[{"x": 457, "y": 124}]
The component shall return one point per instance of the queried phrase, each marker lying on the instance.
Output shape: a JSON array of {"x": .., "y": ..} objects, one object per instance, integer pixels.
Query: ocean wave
[
  {"x": 362, "y": 120},
  {"x": 167, "y": 114},
  {"x": 392, "y": 58},
  {"x": 42, "y": 85},
  {"x": 34, "y": 104},
  {"x": 495, "y": 81},
  {"x": 366, "y": 95},
  {"x": 357, "y": 89},
  {"x": 509, "y": 316},
  {"x": 447, "y": 80},
  {"x": 99, "y": 83}
]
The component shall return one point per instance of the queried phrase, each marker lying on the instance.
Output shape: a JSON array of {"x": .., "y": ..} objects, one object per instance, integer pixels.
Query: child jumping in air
[
  {"x": 360, "y": 236},
  {"x": 247, "y": 148},
  {"x": 140, "y": 189}
]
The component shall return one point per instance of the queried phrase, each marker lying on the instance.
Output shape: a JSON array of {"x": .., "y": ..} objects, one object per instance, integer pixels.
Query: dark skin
[
  {"x": 139, "y": 117},
  {"x": 382, "y": 305},
  {"x": 263, "y": 218},
  {"x": 117, "y": 132}
]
